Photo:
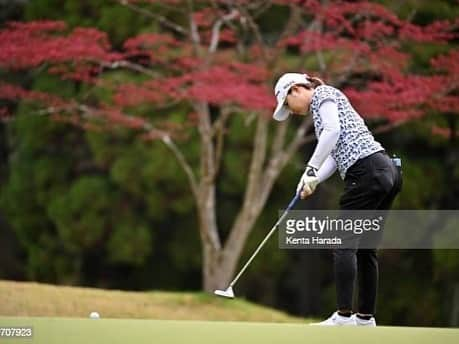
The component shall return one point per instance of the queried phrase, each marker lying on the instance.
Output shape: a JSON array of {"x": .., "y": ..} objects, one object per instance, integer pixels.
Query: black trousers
[{"x": 370, "y": 184}]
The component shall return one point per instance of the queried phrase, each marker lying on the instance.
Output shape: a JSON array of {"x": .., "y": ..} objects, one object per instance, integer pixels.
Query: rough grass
[{"x": 19, "y": 299}]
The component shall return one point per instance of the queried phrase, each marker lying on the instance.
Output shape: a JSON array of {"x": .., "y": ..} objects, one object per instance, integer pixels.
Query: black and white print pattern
[{"x": 355, "y": 140}]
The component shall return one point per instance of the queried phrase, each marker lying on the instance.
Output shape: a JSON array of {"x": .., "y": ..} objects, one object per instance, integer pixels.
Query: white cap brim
[
  {"x": 281, "y": 112},
  {"x": 283, "y": 85}
]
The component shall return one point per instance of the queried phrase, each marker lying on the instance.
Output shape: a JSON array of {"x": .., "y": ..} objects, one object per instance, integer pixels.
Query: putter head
[{"x": 228, "y": 293}]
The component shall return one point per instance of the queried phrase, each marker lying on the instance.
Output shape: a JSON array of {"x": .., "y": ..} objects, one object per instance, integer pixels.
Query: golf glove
[{"x": 308, "y": 182}]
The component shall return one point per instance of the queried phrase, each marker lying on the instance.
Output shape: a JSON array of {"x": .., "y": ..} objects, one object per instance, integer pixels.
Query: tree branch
[
  {"x": 169, "y": 7},
  {"x": 261, "y": 181},
  {"x": 350, "y": 67},
  {"x": 300, "y": 137},
  {"x": 217, "y": 27},
  {"x": 264, "y": 6},
  {"x": 161, "y": 19},
  {"x": 250, "y": 207},
  {"x": 194, "y": 33},
  {"x": 90, "y": 112},
  {"x": 166, "y": 139},
  {"x": 293, "y": 23},
  {"x": 206, "y": 197},
  {"x": 255, "y": 29},
  {"x": 282, "y": 157},
  {"x": 258, "y": 159},
  {"x": 218, "y": 130},
  {"x": 319, "y": 54},
  {"x": 129, "y": 65},
  {"x": 387, "y": 127},
  {"x": 279, "y": 138},
  {"x": 207, "y": 146}
]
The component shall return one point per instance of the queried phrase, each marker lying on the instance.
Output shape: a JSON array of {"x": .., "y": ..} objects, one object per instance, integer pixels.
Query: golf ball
[{"x": 94, "y": 315}]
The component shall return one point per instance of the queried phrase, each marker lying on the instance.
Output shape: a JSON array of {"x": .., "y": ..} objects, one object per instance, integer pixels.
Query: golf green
[{"x": 112, "y": 331}]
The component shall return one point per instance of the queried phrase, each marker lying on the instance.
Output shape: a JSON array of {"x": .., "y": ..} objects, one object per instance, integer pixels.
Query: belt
[{"x": 395, "y": 159}]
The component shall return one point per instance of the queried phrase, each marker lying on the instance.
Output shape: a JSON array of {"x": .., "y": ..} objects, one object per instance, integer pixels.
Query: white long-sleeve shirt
[
  {"x": 340, "y": 130},
  {"x": 327, "y": 169},
  {"x": 321, "y": 158}
]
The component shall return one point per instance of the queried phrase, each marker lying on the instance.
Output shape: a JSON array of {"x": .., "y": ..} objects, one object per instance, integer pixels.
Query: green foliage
[
  {"x": 448, "y": 263},
  {"x": 425, "y": 11},
  {"x": 237, "y": 154},
  {"x": 418, "y": 172},
  {"x": 83, "y": 213},
  {"x": 130, "y": 242},
  {"x": 109, "y": 17}
]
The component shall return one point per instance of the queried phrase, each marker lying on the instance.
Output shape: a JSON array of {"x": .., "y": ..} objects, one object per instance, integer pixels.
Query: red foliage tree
[{"x": 354, "y": 45}]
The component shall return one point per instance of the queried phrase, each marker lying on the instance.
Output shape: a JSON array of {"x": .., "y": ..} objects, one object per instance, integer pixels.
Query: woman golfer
[{"x": 371, "y": 180}]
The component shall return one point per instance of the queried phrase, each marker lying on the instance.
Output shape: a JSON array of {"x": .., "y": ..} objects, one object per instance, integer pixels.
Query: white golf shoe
[
  {"x": 337, "y": 320},
  {"x": 363, "y": 322}
]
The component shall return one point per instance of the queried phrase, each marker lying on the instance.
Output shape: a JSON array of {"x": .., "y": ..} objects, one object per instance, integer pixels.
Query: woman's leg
[
  {"x": 369, "y": 184},
  {"x": 345, "y": 262},
  {"x": 356, "y": 196},
  {"x": 367, "y": 266},
  {"x": 367, "y": 260}
]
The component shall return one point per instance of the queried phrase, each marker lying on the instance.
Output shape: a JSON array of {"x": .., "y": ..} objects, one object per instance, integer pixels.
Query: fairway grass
[
  {"x": 122, "y": 331},
  {"x": 42, "y": 300}
]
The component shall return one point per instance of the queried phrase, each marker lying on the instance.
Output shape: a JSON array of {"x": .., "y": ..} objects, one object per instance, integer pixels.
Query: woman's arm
[
  {"x": 328, "y": 112},
  {"x": 327, "y": 169},
  {"x": 322, "y": 165}
]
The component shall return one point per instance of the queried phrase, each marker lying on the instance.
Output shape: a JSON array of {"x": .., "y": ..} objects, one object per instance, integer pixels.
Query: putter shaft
[{"x": 289, "y": 207}]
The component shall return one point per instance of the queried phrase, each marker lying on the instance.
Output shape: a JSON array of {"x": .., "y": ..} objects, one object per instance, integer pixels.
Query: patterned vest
[{"x": 355, "y": 140}]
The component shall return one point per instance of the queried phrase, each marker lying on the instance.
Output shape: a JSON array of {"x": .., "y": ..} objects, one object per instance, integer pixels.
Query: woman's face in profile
[{"x": 299, "y": 99}]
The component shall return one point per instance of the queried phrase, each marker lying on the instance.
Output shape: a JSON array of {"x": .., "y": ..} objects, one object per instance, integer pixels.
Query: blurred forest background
[{"x": 143, "y": 195}]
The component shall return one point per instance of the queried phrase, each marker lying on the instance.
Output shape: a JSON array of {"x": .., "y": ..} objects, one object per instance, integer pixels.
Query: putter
[{"x": 228, "y": 292}]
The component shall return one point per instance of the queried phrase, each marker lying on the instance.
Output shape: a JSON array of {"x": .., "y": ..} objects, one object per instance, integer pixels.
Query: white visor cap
[{"x": 281, "y": 89}]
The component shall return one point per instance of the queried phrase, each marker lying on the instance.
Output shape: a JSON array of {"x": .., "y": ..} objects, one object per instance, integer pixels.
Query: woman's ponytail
[{"x": 315, "y": 81}]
